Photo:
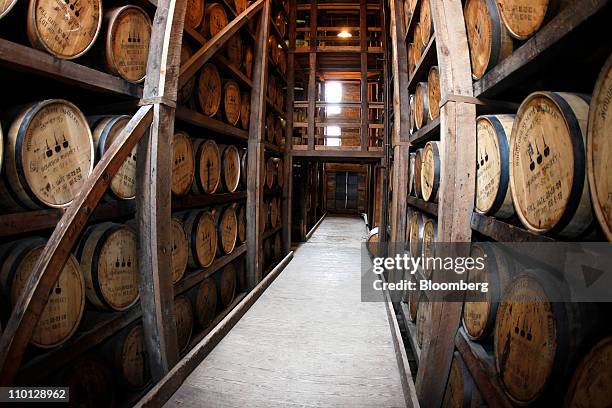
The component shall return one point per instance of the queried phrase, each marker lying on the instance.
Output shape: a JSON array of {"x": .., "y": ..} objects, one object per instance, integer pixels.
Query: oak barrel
[
  {"x": 129, "y": 357},
  {"x": 523, "y": 18},
  {"x": 240, "y": 5},
  {"x": 108, "y": 257},
  {"x": 233, "y": 50},
  {"x": 201, "y": 233},
  {"x": 411, "y": 174},
  {"x": 411, "y": 60},
  {"x": 279, "y": 131},
  {"x": 280, "y": 172},
  {"x": 412, "y": 126},
  {"x": 209, "y": 89},
  {"x": 183, "y": 164},
  {"x": 232, "y": 100},
  {"x": 241, "y": 219},
  {"x": 243, "y": 167},
  {"x": 418, "y": 166},
  {"x": 90, "y": 382},
  {"x": 430, "y": 172},
  {"x": 186, "y": 92},
  {"x": 535, "y": 337},
  {"x": 461, "y": 392},
  {"x": 591, "y": 382},
  {"x": 248, "y": 61},
  {"x": 204, "y": 300},
  {"x": 245, "y": 109},
  {"x": 183, "y": 312},
  {"x": 479, "y": 310},
  {"x": 413, "y": 304},
  {"x": 126, "y": 47},
  {"x": 421, "y": 105},
  {"x": 63, "y": 29},
  {"x": 416, "y": 234},
  {"x": 62, "y": 313},
  {"x": 274, "y": 212},
  {"x": 215, "y": 20},
  {"x": 49, "y": 155},
  {"x": 226, "y": 284},
  {"x": 270, "y": 128},
  {"x": 105, "y": 131},
  {"x": 430, "y": 237},
  {"x": 493, "y": 195},
  {"x": 179, "y": 251},
  {"x": 547, "y": 164},
  {"x": 423, "y": 321},
  {"x": 207, "y": 166},
  {"x": 227, "y": 228},
  {"x": 372, "y": 242},
  {"x": 426, "y": 23},
  {"x": 194, "y": 14},
  {"x": 230, "y": 167},
  {"x": 599, "y": 149},
  {"x": 418, "y": 47},
  {"x": 270, "y": 172},
  {"x": 6, "y": 6},
  {"x": 488, "y": 40},
  {"x": 271, "y": 89},
  {"x": 278, "y": 246},
  {"x": 433, "y": 93}
]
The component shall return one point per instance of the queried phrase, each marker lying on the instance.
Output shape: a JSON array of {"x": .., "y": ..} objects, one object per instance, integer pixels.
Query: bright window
[
  {"x": 333, "y": 94},
  {"x": 332, "y": 135}
]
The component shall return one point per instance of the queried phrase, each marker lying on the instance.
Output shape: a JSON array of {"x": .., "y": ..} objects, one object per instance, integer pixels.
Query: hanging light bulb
[{"x": 344, "y": 34}]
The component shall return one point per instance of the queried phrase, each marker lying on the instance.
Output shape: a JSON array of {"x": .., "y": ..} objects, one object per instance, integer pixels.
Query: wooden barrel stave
[
  {"x": 233, "y": 50},
  {"x": 416, "y": 234},
  {"x": 547, "y": 164},
  {"x": 493, "y": 195},
  {"x": 183, "y": 165},
  {"x": 488, "y": 39},
  {"x": 523, "y": 18},
  {"x": 227, "y": 228},
  {"x": 225, "y": 280},
  {"x": 461, "y": 391},
  {"x": 591, "y": 382},
  {"x": 63, "y": 311},
  {"x": 201, "y": 232},
  {"x": 207, "y": 166},
  {"x": 230, "y": 167},
  {"x": 129, "y": 358},
  {"x": 215, "y": 20},
  {"x": 185, "y": 94},
  {"x": 421, "y": 105},
  {"x": 179, "y": 251},
  {"x": 245, "y": 109},
  {"x": 109, "y": 261},
  {"x": 430, "y": 237},
  {"x": 599, "y": 149},
  {"x": 183, "y": 312},
  {"x": 34, "y": 181},
  {"x": 430, "y": 171},
  {"x": 209, "y": 90},
  {"x": 126, "y": 48},
  {"x": 418, "y": 166},
  {"x": 63, "y": 31},
  {"x": 204, "y": 301},
  {"x": 232, "y": 99},
  {"x": 426, "y": 23},
  {"x": 195, "y": 14},
  {"x": 105, "y": 131},
  {"x": 433, "y": 93},
  {"x": 241, "y": 219}
]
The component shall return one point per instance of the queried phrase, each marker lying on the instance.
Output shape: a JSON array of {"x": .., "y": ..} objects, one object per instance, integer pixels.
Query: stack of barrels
[
  {"x": 421, "y": 34},
  {"x": 215, "y": 95},
  {"x": 272, "y": 209},
  {"x": 425, "y": 102},
  {"x": 547, "y": 164},
  {"x": 496, "y": 27},
  {"x": 119, "y": 36},
  {"x": 424, "y": 172}
]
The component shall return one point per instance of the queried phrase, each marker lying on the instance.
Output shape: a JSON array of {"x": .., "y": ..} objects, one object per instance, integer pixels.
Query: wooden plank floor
[{"x": 308, "y": 341}]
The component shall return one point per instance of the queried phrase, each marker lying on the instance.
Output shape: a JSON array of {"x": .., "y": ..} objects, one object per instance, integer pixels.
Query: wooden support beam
[
  {"x": 457, "y": 187},
  {"x": 256, "y": 151},
  {"x": 401, "y": 120},
  {"x": 312, "y": 75},
  {"x": 363, "y": 42},
  {"x": 288, "y": 158},
  {"x": 153, "y": 181}
]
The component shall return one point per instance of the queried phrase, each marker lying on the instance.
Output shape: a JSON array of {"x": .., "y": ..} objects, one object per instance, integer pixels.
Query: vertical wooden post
[
  {"x": 401, "y": 119},
  {"x": 384, "y": 162},
  {"x": 288, "y": 161},
  {"x": 312, "y": 75},
  {"x": 256, "y": 151},
  {"x": 363, "y": 42},
  {"x": 457, "y": 187},
  {"x": 153, "y": 179}
]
